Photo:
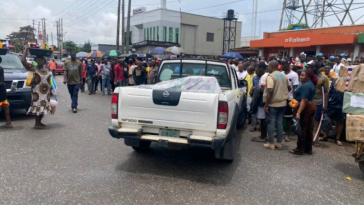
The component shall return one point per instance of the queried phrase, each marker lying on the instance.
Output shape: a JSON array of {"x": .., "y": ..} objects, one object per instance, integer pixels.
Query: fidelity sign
[
  {"x": 297, "y": 40},
  {"x": 139, "y": 10}
]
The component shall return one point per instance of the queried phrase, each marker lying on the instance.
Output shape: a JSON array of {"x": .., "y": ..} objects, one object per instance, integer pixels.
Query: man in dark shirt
[
  {"x": 91, "y": 77},
  {"x": 73, "y": 78},
  {"x": 139, "y": 74}
]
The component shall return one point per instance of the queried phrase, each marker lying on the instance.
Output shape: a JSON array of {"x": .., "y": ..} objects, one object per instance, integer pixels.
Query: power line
[
  {"x": 74, "y": 12},
  {"x": 66, "y": 9},
  {"x": 90, "y": 32},
  {"x": 216, "y": 5}
]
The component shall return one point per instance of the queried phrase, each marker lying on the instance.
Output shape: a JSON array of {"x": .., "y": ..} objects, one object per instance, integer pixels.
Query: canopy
[
  {"x": 81, "y": 55},
  {"x": 111, "y": 54},
  {"x": 135, "y": 55},
  {"x": 232, "y": 55},
  {"x": 94, "y": 54},
  {"x": 175, "y": 50},
  {"x": 157, "y": 51}
]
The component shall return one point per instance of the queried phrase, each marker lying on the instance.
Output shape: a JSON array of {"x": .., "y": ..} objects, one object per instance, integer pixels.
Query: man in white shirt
[
  {"x": 241, "y": 73},
  {"x": 337, "y": 66},
  {"x": 235, "y": 64}
]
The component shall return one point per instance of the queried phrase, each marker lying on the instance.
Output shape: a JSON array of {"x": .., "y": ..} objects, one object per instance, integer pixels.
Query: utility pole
[
  {"x": 59, "y": 52},
  {"x": 33, "y": 29},
  {"x": 44, "y": 32},
  {"x": 118, "y": 27},
  {"x": 52, "y": 37},
  {"x": 123, "y": 26},
  {"x": 61, "y": 37},
  {"x": 128, "y": 28}
]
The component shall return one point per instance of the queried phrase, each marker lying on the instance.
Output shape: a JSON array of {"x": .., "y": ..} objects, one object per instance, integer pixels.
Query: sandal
[
  {"x": 252, "y": 129},
  {"x": 325, "y": 139},
  {"x": 316, "y": 144},
  {"x": 5, "y": 126},
  {"x": 286, "y": 139},
  {"x": 338, "y": 143},
  {"x": 295, "y": 152},
  {"x": 258, "y": 139},
  {"x": 39, "y": 127}
]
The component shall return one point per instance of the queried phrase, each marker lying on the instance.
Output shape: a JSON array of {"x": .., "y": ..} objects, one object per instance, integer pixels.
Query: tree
[
  {"x": 22, "y": 37},
  {"x": 87, "y": 46},
  {"x": 296, "y": 25},
  {"x": 70, "y": 46}
]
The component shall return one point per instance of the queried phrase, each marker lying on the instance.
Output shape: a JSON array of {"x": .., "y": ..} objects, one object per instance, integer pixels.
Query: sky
[{"x": 96, "y": 20}]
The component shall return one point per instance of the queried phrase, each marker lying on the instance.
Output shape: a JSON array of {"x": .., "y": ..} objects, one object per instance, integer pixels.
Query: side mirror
[{"x": 242, "y": 84}]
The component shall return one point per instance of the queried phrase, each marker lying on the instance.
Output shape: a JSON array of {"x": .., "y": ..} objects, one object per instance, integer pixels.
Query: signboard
[
  {"x": 297, "y": 40},
  {"x": 139, "y": 10},
  {"x": 40, "y": 36}
]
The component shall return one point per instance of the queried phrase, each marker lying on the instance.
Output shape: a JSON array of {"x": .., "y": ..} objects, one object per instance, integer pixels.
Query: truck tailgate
[{"x": 195, "y": 111}]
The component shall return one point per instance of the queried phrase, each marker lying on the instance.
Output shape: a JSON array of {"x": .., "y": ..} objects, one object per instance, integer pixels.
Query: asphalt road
[{"x": 75, "y": 161}]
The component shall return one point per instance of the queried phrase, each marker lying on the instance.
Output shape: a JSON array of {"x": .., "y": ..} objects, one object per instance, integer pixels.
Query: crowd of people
[{"x": 282, "y": 91}]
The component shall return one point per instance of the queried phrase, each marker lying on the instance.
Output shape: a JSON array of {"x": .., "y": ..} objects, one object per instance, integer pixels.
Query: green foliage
[
  {"x": 87, "y": 46},
  {"x": 292, "y": 26},
  {"x": 70, "y": 46},
  {"x": 21, "y": 37}
]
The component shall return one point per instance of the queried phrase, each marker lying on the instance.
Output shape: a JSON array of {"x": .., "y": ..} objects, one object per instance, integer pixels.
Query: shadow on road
[
  {"x": 350, "y": 170},
  {"x": 195, "y": 164}
]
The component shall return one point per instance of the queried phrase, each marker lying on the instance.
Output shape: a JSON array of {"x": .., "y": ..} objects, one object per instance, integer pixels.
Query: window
[
  {"x": 153, "y": 33},
  {"x": 157, "y": 33},
  {"x": 170, "y": 34},
  {"x": 177, "y": 35},
  {"x": 210, "y": 37},
  {"x": 164, "y": 33},
  {"x": 145, "y": 34}
]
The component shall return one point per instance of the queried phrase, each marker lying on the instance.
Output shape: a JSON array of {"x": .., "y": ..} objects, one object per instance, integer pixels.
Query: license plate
[{"x": 169, "y": 133}]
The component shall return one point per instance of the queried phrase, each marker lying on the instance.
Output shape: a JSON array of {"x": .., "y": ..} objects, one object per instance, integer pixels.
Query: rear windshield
[
  {"x": 171, "y": 71},
  {"x": 11, "y": 61}
]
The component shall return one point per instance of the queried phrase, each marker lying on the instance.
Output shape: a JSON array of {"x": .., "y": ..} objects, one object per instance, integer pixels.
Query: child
[{"x": 4, "y": 105}]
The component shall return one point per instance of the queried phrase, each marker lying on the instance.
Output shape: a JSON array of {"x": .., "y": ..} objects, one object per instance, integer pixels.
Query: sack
[
  {"x": 326, "y": 123},
  {"x": 294, "y": 104},
  {"x": 53, "y": 106},
  {"x": 297, "y": 127},
  {"x": 29, "y": 79}
]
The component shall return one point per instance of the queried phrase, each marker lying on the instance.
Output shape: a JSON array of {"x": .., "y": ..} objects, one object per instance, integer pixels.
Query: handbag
[
  {"x": 29, "y": 79},
  {"x": 297, "y": 127},
  {"x": 294, "y": 104}
]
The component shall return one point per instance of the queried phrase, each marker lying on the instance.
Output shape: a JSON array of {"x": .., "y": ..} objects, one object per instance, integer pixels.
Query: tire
[
  {"x": 226, "y": 152},
  {"x": 143, "y": 146},
  {"x": 241, "y": 119},
  {"x": 361, "y": 163}
]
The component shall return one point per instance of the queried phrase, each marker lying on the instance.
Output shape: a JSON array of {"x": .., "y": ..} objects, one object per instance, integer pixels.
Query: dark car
[{"x": 18, "y": 94}]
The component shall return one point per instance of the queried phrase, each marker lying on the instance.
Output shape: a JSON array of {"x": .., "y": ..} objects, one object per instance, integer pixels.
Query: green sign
[{"x": 361, "y": 38}]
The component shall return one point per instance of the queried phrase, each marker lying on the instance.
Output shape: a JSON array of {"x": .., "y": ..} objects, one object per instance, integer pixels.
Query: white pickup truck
[{"x": 171, "y": 117}]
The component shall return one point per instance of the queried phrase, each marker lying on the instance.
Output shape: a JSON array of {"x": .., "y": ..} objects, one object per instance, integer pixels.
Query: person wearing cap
[
  {"x": 40, "y": 88},
  {"x": 302, "y": 61},
  {"x": 73, "y": 78},
  {"x": 91, "y": 77},
  {"x": 4, "y": 104}
]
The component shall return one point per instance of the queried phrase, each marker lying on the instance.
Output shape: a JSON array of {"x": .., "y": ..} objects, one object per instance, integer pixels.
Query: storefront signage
[
  {"x": 139, "y": 10},
  {"x": 297, "y": 40}
]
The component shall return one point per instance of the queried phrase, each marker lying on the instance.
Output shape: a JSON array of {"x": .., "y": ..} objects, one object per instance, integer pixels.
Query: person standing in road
[
  {"x": 132, "y": 66},
  {"x": 294, "y": 82},
  {"x": 276, "y": 94},
  {"x": 91, "y": 77},
  {"x": 336, "y": 68},
  {"x": 73, "y": 78},
  {"x": 84, "y": 71},
  {"x": 52, "y": 66},
  {"x": 119, "y": 74},
  {"x": 139, "y": 74},
  {"x": 4, "y": 104},
  {"x": 105, "y": 76},
  {"x": 98, "y": 79},
  {"x": 305, "y": 113},
  {"x": 153, "y": 70}
]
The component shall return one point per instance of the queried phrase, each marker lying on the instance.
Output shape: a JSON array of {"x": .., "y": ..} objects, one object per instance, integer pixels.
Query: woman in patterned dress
[{"x": 41, "y": 89}]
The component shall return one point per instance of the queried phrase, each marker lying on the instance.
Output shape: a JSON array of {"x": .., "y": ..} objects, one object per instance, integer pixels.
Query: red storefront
[{"x": 329, "y": 41}]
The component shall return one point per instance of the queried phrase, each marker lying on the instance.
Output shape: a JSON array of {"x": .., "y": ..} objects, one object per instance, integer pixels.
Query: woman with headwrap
[{"x": 41, "y": 89}]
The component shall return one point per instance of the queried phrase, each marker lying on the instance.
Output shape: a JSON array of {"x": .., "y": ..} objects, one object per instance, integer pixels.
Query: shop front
[{"x": 329, "y": 41}]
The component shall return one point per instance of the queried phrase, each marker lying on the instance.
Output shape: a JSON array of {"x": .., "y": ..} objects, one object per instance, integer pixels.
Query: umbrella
[
  {"x": 157, "y": 51},
  {"x": 135, "y": 55},
  {"x": 232, "y": 55},
  {"x": 175, "y": 50},
  {"x": 94, "y": 54},
  {"x": 81, "y": 55},
  {"x": 111, "y": 54}
]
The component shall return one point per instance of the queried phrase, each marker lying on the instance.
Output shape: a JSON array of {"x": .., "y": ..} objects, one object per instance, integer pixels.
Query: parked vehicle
[
  {"x": 59, "y": 68},
  {"x": 169, "y": 117},
  {"x": 18, "y": 94}
]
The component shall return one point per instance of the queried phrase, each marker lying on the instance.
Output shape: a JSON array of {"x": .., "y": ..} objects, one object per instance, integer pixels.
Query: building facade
[
  {"x": 329, "y": 41},
  {"x": 197, "y": 35}
]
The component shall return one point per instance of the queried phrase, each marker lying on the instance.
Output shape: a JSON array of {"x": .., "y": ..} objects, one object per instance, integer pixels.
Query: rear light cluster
[
  {"x": 114, "y": 106},
  {"x": 223, "y": 115}
]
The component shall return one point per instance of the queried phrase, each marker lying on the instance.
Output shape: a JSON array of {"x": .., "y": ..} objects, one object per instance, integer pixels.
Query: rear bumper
[
  {"x": 192, "y": 140},
  {"x": 19, "y": 99}
]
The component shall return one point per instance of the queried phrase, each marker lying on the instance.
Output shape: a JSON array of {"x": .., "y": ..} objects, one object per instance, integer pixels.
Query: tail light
[
  {"x": 223, "y": 115},
  {"x": 114, "y": 106}
]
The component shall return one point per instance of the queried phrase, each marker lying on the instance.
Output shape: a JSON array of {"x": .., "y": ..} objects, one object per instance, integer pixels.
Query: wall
[
  {"x": 194, "y": 29},
  {"x": 156, "y": 18}
]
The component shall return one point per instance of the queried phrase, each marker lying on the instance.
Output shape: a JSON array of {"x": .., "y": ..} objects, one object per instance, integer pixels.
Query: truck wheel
[
  {"x": 226, "y": 152},
  {"x": 143, "y": 146},
  {"x": 241, "y": 119}
]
